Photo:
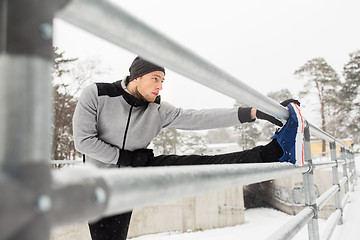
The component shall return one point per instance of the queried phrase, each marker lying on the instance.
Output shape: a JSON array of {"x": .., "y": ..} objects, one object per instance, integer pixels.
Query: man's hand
[
  {"x": 261, "y": 115},
  {"x": 267, "y": 117},
  {"x": 286, "y": 102}
]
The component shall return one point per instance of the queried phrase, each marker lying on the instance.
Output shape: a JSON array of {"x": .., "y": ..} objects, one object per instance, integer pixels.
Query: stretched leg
[
  {"x": 268, "y": 153},
  {"x": 111, "y": 228}
]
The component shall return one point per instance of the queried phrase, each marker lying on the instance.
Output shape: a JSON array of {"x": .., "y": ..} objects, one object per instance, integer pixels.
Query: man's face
[{"x": 149, "y": 85}]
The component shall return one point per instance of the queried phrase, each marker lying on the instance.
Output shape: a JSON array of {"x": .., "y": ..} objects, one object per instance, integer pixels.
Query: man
[{"x": 115, "y": 122}]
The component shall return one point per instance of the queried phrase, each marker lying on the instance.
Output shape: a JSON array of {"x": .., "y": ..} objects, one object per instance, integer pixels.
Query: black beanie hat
[{"x": 140, "y": 67}]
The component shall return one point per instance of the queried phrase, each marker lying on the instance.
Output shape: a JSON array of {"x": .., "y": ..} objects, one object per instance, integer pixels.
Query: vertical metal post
[
  {"x": 355, "y": 172},
  {"x": 25, "y": 116},
  {"x": 351, "y": 169},
  {"x": 335, "y": 174},
  {"x": 345, "y": 168},
  {"x": 310, "y": 198}
]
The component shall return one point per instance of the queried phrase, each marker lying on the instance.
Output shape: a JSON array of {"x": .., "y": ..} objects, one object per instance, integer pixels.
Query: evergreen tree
[
  {"x": 350, "y": 88},
  {"x": 350, "y": 98},
  {"x": 322, "y": 81}
]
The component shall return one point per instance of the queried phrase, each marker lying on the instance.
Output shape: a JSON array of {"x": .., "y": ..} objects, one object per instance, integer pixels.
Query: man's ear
[{"x": 135, "y": 80}]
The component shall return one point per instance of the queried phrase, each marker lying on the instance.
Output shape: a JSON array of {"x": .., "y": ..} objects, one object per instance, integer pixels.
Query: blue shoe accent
[{"x": 290, "y": 137}]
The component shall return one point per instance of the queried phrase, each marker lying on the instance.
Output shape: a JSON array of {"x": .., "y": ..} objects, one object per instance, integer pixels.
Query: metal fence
[{"x": 35, "y": 198}]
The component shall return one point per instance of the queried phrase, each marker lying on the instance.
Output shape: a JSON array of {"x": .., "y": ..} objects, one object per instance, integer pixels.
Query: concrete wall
[
  {"x": 289, "y": 198},
  {"x": 205, "y": 211}
]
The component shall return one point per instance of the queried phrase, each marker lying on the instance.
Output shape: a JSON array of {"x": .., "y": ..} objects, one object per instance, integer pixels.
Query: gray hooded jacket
[{"x": 108, "y": 118}]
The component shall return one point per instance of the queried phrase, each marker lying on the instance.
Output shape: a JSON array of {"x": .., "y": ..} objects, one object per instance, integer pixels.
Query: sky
[{"x": 259, "y": 42}]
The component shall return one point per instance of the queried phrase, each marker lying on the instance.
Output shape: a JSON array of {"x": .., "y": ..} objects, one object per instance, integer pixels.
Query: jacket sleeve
[
  {"x": 85, "y": 129},
  {"x": 189, "y": 119}
]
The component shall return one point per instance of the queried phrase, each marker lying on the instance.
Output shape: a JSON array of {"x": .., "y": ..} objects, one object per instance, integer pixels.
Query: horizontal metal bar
[
  {"x": 66, "y": 161},
  {"x": 341, "y": 162},
  {"x": 160, "y": 184},
  {"x": 319, "y": 164},
  {"x": 325, "y": 197},
  {"x": 180, "y": 182},
  {"x": 343, "y": 181},
  {"x": 345, "y": 200},
  {"x": 324, "y": 135},
  {"x": 290, "y": 229},
  {"x": 94, "y": 16},
  {"x": 132, "y": 34},
  {"x": 331, "y": 224}
]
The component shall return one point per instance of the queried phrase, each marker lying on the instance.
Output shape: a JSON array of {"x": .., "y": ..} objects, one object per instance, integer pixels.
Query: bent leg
[{"x": 111, "y": 228}]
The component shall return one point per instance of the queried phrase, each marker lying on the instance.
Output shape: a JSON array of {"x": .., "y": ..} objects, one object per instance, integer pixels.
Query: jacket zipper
[{"x": 127, "y": 128}]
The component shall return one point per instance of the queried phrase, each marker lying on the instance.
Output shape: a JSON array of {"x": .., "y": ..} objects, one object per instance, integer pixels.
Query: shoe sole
[{"x": 299, "y": 140}]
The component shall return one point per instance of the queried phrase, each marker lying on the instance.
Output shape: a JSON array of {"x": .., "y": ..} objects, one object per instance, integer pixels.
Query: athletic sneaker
[{"x": 291, "y": 137}]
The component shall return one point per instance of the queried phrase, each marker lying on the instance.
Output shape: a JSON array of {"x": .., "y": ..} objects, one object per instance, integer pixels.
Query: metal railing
[{"x": 35, "y": 198}]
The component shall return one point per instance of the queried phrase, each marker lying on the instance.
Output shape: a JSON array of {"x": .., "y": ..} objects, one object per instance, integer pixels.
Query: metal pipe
[
  {"x": 341, "y": 162},
  {"x": 308, "y": 182},
  {"x": 349, "y": 176},
  {"x": 345, "y": 168},
  {"x": 132, "y": 34},
  {"x": 25, "y": 102},
  {"x": 25, "y": 138},
  {"x": 343, "y": 180},
  {"x": 26, "y": 106},
  {"x": 353, "y": 158},
  {"x": 130, "y": 188},
  {"x": 345, "y": 200},
  {"x": 25, "y": 116},
  {"x": 66, "y": 162},
  {"x": 325, "y": 197},
  {"x": 291, "y": 228},
  {"x": 335, "y": 174},
  {"x": 318, "y": 164},
  {"x": 323, "y": 135},
  {"x": 330, "y": 224}
]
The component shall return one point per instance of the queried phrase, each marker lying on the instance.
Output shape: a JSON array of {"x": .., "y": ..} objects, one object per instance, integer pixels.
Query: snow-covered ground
[{"x": 260, "y": 223}]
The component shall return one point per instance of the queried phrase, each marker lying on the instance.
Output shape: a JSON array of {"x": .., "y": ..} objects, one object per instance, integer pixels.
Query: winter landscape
[{"x": 220, "y": 57}]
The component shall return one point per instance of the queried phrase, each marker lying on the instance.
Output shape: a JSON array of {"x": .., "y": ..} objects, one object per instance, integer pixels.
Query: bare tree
[
  {"x": 166, "y": 141},
  {"x": 70, "y": 76}
]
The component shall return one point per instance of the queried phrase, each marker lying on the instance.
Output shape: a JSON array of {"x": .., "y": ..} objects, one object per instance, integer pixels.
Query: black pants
[{"x": 116, "y": 227}]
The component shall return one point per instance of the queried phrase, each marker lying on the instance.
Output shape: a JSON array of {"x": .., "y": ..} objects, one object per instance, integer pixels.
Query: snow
[
  {"x": 350, "y": 229},
  {"x": 260, "y": 223}
]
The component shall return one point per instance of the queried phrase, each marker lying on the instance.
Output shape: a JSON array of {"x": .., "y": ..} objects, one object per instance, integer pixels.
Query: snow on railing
[{"x": 35, "y": 198}]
